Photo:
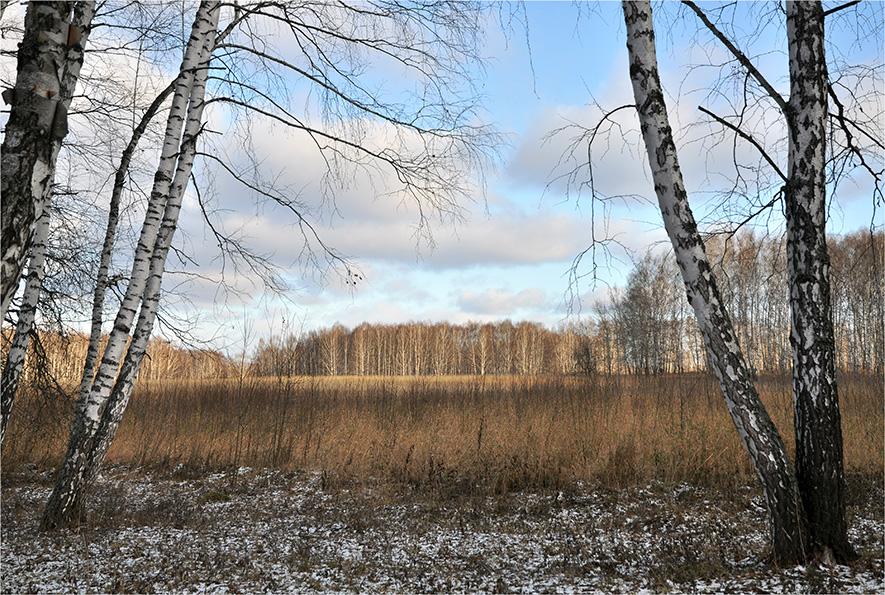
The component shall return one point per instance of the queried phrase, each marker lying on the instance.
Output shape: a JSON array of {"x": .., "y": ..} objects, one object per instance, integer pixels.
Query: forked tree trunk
[
  {"x": 789, "y": 532},
  {"x": 819, "y": 463},
  {"x": 50, "y": 56},
  {"x": 119, "y": 397},
  {"x": 90, "y": 432}
]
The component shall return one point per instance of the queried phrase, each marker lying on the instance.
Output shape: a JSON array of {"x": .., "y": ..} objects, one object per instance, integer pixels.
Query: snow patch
[{"x": 249, "y": 531}]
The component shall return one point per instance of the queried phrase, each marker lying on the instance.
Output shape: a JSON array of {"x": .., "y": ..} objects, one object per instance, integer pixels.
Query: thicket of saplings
[{"x": 622, "y": 396}]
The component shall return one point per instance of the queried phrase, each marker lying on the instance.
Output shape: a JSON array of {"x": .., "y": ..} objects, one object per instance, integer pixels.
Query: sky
[{"x": 513, "y": 254}]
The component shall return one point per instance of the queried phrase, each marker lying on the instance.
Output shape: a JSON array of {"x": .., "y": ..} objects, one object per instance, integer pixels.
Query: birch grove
[{"x": 431, "y": 155}]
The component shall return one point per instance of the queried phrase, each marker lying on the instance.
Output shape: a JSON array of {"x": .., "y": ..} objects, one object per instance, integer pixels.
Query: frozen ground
[{"x": 286, "y": 532}]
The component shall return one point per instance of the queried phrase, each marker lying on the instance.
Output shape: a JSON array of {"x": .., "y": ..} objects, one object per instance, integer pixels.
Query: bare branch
[
  {"x": 840, "y": 7},
  {"x": 739, "y": 55},
  {"x": 332, "y": 255},
  {"x": 845, "y": 124},
  {"x": 746, "y": 137}
]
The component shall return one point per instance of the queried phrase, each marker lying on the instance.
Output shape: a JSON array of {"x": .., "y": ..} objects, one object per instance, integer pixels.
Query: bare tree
[
  {"x": 97, "y": 416},
  {"x": 431, "y": 150},
  {"x": 818, "y": 422},
  {"x": 96, "y": 116},
  {"x": 50, "y": 56},
  {"x": 858, "y": 305},
  {"x": 789, "y": 531},
  {"x": 814, "y": 525}
]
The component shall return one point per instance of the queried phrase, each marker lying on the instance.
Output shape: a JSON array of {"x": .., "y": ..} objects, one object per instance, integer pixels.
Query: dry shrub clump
[{"x": 452, "y": 434}]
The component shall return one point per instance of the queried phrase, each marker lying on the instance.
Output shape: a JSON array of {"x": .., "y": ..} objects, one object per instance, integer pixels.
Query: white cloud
[{"x": 501, "y": 302}]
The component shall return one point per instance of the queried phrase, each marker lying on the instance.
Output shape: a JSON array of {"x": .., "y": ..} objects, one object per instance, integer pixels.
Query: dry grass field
[
  {"x": 498, "y": 484},
  {"x": 451, "y": 434}
]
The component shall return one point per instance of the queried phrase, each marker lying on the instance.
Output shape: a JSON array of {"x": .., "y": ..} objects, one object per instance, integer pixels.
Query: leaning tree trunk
[
  {"x": 789, "y": 533},
  {"x": 101, "y": 282},
  {"x": 119, "y": 397},
  {"x": 18, "y": 349},
  {"x": 65, "y": 502},
  {"x": 50, "y": 56},
  {"x": 819, "y": 464}
]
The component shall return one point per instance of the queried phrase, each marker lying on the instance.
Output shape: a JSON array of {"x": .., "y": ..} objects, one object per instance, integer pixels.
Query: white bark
[
  {"x": 757, "y": 431},
  {"x": 170, "y": 181},
  {"x": 15, "y": 359},
  {"x": 122, "y": 390},
  {"x": 90, "y": 408},
  {"x": 101, "y": 282},
  {"x": 49, "y": 60}
]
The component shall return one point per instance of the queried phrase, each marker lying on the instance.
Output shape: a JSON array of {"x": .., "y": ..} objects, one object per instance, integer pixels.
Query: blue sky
[{"x": 512, "y": 255}]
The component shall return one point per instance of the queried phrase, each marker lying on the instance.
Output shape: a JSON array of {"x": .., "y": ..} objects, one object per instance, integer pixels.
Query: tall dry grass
[{"x": 470, "y": 434}]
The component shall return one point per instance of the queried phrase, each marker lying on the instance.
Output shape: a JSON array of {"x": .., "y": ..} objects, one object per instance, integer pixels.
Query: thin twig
[
  {"x": 741, "y": 57},
  {"x": 746, "y": 137}
]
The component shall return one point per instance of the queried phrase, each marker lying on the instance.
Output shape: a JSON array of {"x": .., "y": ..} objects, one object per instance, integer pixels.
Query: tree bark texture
[
  {"x": 101, "y": 282},
  {"x": 819, "y": 463},
  {"x": 18, "y": 349},
  {"x": 50, "y": 56},
  {"x": 758, "y": 433},
  {"x": 90, "y": 433}
]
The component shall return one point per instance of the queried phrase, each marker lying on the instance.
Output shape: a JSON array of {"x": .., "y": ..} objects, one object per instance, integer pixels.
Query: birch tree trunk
[
  {"x": 15, "y": 359},
  {"x": 819, "y": 463},
  {"x": 119, "y": 397},
  {"x": 49, "y": 60},
  {"x": 93, "y": 425},
  {"x": 101, "y": 282},
  {"x": 788, "y": 527},
  {"x": 18, "y": 349}
]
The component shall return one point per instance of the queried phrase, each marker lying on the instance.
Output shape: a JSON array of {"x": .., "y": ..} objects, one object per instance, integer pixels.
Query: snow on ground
[{"x": 292, "y": 532}]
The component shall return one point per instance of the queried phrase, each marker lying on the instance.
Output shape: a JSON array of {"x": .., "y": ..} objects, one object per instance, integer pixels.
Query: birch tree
[
  {"x": 433, "y": 152},
  {"x": 818, "y": 424},
  {"x": 806, "y": 506},
  {"x": 788, "y": 528},
  {"x": 822, "y": 144},
  {"x": 27, "y": 311},
  {"x": 95, "y": 115},
  {"x": 98, "y": 413},
  {"x": 49, "y": 60}
]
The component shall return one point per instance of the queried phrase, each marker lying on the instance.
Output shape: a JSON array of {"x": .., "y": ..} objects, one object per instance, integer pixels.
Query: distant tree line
[
  {"x": 645, "y": 327},
  {"x": 59, "y": 358},
  {"x": 525, "y": 348}
]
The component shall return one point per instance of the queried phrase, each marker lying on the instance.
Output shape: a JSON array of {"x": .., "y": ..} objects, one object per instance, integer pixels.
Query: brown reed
[{"x": 451, "y": 434}]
